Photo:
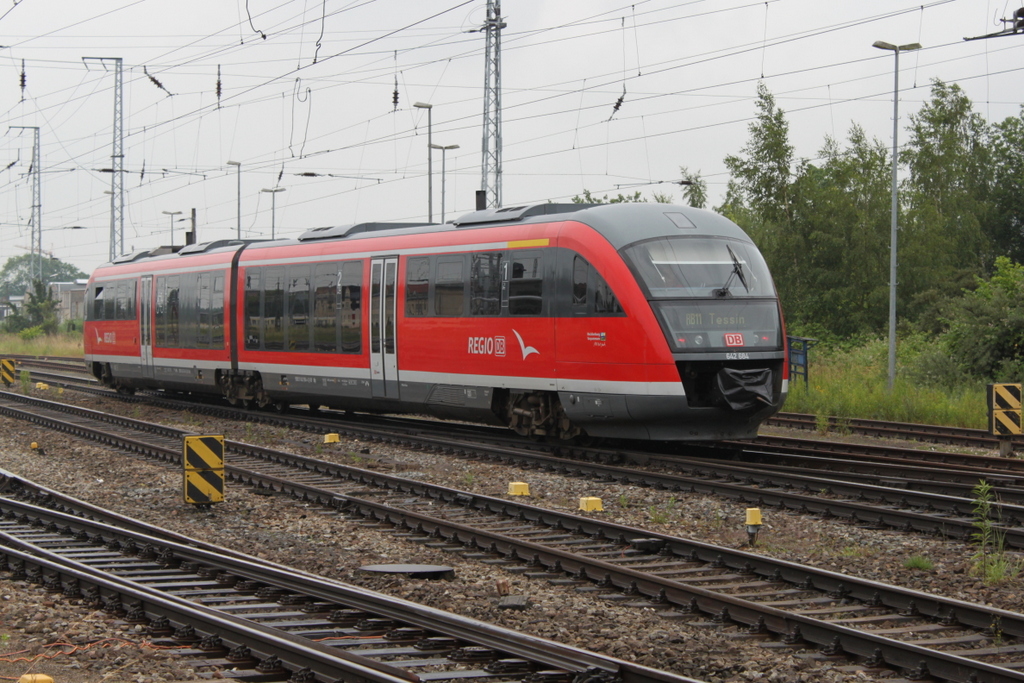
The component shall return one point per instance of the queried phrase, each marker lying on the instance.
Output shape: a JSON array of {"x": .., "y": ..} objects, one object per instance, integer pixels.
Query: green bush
[{"x": 30, "y": 333}]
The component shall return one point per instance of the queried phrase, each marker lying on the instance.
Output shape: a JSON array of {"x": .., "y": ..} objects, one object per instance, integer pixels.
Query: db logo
[
  {"x": 487, "y": 346},
  {"x": 733, "y": 339}
]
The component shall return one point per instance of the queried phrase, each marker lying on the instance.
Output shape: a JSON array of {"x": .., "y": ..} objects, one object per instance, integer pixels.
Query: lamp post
[
  {"x": 172, "y": 214},
  {"x": 430, "y": 161},
  {"x": 273, "y": 206},
  {"x": 239, "y": 165},
  {"x": 896, "y": 49},
  {"x": 444, "y": 149}
]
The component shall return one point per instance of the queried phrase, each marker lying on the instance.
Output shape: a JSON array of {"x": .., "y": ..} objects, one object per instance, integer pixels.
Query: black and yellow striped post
[
  {"x": 1004, "y": 401},
  {"x": 203, "y": 461},
  {"x": 7, "y": 371}
]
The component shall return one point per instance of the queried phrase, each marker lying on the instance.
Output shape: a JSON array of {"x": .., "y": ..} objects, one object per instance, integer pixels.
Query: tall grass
[
  {"x": 63, "y": 344},
  {"x": 853, "y": 382}
]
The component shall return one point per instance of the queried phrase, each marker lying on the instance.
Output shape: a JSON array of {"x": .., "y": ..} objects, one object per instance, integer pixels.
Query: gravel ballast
[{"x": 291, "y": 533}]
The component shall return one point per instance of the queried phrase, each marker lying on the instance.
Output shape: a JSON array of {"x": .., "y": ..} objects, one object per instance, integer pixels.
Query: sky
[{"x": 301, "y": 94}]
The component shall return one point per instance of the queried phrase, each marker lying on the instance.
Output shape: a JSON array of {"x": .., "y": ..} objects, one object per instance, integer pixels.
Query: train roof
[{"x": 621, "y": 224}]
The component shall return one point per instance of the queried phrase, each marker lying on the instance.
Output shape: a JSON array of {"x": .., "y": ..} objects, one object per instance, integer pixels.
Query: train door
[
  {"x": 383, "y": 312},
  {"x": 146, "y": 325}
]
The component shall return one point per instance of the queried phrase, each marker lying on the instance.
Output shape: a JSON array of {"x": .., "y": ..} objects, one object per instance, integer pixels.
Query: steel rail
[
  {"x": 799, "y": 453},
  {"x": 961, "y": 436},
  {"x": 242, "y": 567},
  {"x": 850, "y": 641},
  {"x": 299, "y": 653},
  {"x": 940, "y": 434},
  {"x": 789, "y": 445},
  {"x": 763, "y": 490}
]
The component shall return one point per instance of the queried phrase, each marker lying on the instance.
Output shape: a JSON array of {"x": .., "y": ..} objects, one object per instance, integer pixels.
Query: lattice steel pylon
[
  {"x": 490, "y": 168},
  {"x": 35, "y": 267},
  {"x": 116, "y": 160}
]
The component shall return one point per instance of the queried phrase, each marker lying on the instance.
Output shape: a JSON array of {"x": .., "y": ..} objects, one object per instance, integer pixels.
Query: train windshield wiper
[{"x": 737, "y": 271}]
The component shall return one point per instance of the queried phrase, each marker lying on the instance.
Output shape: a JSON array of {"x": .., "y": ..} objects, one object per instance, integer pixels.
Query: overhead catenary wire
[{"x": 522, "y": 111}]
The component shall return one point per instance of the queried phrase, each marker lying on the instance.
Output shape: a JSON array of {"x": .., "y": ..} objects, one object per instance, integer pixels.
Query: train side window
[
  {"x": 325, "y": 307},
  {"x": 120, "y": 301},
  {"x": 449, "y": 286},
  {"x": 417, "y": 282},
  {"x": 110, "y": 302},
  {"x": 160, "y": 313},
  {"x": 252, "y": 308},
  {"x": 390, "y": 309},
  {"x": 350, "y": 308},
  {"x": 217, "y": 313},
  {"x": 173, "y": 309},
  {"x": 204, "y": 280},
  {"x": 376, "y": 276},
  {"x": 580, "y": 274},
  {"x": 485, "y": 284},
  {"x": 526, "y": 284},
  {"x": 130, "y": 300},
  {"x": 96, "y": 305},
  {"x": 605, "y": 300},
  {"x": 298, "y": 308},
  {"x": 273, "y": 309}
]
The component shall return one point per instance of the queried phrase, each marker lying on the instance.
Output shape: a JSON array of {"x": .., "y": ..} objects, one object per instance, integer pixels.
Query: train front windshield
[{"x": 710, "y": 294}]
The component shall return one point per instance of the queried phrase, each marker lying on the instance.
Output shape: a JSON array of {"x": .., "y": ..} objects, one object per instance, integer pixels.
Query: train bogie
[{"x": 640, "y": 321}]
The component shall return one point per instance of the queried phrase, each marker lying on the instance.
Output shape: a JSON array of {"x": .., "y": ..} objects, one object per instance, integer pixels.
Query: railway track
[
  {"x": 774, "y": 444},
  {"x": 923, "y": 496},
  {"x": 958, "y": 436},
  {"x": 863, "y": 620},
  {"x": 952, "y": 436},
  {"x": 224, "y": 610}
]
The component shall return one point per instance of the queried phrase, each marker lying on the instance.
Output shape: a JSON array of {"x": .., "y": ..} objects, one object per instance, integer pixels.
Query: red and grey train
[{"x": 637, "y": 321}]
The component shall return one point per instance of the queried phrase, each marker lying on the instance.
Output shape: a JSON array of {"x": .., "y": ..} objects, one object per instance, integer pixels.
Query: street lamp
[
  {"x": 239, "y": 165},
  {"x": 896, "y": 49},
  {"x": 172, "y": 214},
  {"x": 444, "y": 149},
  {"x": 273, "y": 206},
  {"x": 430, "y": 162}
]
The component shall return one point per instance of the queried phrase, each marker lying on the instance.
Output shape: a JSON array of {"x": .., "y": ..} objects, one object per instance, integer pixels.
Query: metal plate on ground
[{"x": 415, "y": 571}]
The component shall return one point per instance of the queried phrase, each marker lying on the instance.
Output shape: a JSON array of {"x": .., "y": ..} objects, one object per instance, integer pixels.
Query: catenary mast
[{"x": 491, "y": 166}]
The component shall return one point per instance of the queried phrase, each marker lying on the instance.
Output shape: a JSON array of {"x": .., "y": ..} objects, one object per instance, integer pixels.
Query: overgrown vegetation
[
  {"x": 37, "y": 315},
  {"x": 658, "y": 515},
  {"x": 919, "y": 562},
  {"x": 60, "y": 344},
  {"x": 851, "y": 381},
  {"x": 991, "y": 561}
]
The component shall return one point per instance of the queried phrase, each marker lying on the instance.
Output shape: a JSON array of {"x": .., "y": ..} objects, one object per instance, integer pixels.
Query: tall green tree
[
  {"x": 16, "y": 278},
  {"x": 695, "y": 188},
  {"x": 1005, "y": 225},
  {"x": 588, "y": 198},
  {"x": 985, "y": 338},
  {"x": 759, "y": 198},
  {"x": 840, "y": 216},
  {"x": 946, "y": 198},
  {"x": 762, "y": 171},
  {"x": 39, "y": 309}
]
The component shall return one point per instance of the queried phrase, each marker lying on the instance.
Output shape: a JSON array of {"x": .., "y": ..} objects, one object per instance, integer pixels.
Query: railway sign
[
  {"x": 203, "y": 462},
  {"x": 1004, "y": 407},
  {"x": 7, "y": 371}
]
